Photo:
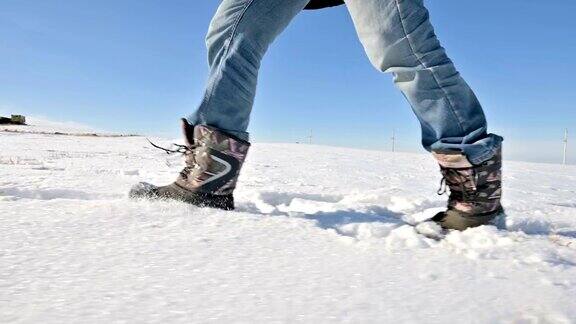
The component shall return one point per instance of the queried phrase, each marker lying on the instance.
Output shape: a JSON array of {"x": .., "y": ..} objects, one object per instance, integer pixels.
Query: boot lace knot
[
  {"x": 457, "y": 182},
  {"x": 187, "y": 151}
]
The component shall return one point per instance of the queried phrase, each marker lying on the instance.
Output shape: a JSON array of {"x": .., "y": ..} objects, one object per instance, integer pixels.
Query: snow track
[{"x": 319, "y": 235}]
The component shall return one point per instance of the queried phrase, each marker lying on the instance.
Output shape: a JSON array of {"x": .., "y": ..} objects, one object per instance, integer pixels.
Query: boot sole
[{"x": 174, "y": 192}]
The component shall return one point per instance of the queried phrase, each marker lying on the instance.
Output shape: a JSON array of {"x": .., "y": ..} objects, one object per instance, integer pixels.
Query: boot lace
[
  {"x": 186, "y": 151},
  {"x": 182, "y": 149},
  {"x": 465, "y": 194}
]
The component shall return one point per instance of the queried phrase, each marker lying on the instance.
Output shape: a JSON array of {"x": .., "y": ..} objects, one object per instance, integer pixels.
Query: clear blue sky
[{"x": 138, "y": 65}]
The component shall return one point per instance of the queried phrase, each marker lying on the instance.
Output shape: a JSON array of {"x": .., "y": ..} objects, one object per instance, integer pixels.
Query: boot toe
[
  {"x": 143, "y": 190},
  {"x": 456, "y": 220}
]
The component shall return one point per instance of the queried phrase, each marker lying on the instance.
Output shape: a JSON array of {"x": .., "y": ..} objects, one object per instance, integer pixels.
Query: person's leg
[
  {"x": 237, "y": 39},
  {"x": 215, "y": 135},
  {"x": 399, "y": 38}
]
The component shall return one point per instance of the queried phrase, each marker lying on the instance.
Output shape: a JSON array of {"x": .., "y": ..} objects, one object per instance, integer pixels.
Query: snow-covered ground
[{"x": 318, "y": 236}]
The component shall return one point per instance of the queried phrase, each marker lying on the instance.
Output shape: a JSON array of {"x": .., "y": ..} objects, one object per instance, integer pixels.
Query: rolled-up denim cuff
[
  {"x": 477, "y": 152},
  {"x": 239, "y": 134},
  {"x": 484, "y": 149}
]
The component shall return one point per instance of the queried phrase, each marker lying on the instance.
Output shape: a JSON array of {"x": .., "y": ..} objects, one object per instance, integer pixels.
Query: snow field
[{"x": 320, "y": 235}]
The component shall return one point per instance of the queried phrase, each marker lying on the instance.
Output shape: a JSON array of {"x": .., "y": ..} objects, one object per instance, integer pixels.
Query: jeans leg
[
  {"x": 239, "y": 35},
  {"x": 399, "y": 38}
]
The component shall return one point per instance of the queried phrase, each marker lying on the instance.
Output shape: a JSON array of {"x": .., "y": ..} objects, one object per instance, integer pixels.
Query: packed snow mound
[
  {"x": 40, "y": 125},
  {"x": 320, "y": 235}
]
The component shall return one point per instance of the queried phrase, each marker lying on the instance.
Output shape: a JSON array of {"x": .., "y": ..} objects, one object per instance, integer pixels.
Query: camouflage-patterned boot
[
  {"x": 213, "y": 162},
  {"x": 475, "y": 192}
]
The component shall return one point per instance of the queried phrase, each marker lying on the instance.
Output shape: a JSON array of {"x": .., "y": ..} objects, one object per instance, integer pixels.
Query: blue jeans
[{"x": 397, "y": 37}]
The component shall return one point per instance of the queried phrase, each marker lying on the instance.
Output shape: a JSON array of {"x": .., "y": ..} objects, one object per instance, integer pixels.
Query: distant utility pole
[
  {"x": 393, "y": 140},
  {"x": 565, "y": 145},
  {"x": 310, "y": 137}
]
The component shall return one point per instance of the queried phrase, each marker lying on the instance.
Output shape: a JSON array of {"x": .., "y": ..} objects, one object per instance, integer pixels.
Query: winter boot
[
  {"x": 475, "y": 191},
  {"x": 213, "y": 162}
]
